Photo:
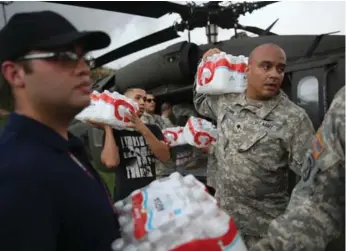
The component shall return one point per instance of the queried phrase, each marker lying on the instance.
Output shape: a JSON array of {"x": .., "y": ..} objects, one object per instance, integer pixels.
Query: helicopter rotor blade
[
  {"x": 138, "y": 45},
  {"x": 147, "y": 9},
  {"x": 256, "y": 30},
  {"x": 267, "y": 31},
  {"x": 272, "y": 25}
]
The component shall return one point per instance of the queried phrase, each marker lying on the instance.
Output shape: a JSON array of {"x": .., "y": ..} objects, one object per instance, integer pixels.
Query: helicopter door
[
  {"x": 314, "y": 88},
  {"x": 305, "y": 90}
]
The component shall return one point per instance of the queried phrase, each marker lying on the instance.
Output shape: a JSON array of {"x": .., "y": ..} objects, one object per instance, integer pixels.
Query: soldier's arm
[
  {"x": 315, "y": 214},
  {"x": 300, "y": 142},
  {"x": 166, "y": 122},
  {"x": 205, "y": 105}
]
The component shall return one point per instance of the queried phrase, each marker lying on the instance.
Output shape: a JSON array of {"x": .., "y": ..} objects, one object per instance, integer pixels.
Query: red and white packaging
[
  {"x": 89, "y": 111},
  {"x": 199, "y": 132},
  {"x": 174, "y": 136},
  {"x": 222, "y": 73},
  {"x": 111, "y": 108},
  {"x": 175, "y": 213}
]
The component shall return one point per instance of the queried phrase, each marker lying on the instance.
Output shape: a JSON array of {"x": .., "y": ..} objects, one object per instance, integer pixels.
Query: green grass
[{"x": 108, "y": 177}]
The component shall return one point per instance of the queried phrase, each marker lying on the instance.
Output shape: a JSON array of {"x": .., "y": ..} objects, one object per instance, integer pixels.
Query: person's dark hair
[
  {"x": 7, "y": 99},
  {"x": 131, "y": 89},
  {"x": 6, "y": 96}
]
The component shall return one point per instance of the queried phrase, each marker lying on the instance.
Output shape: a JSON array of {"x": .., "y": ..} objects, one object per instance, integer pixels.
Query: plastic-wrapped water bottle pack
[
  {"x": 175, "y": 214},
  {"x": 109, "y": 108},
  {"x": 222, "y": 73}
]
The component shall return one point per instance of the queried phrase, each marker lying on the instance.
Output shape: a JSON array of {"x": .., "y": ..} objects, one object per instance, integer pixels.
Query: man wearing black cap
[{"x": 51, "y": 197}]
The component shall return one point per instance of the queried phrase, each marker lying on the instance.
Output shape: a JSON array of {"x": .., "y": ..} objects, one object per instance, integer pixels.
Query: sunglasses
[
  {"x": 65, "y": 57},
  {"x": 149, "y": 100}
]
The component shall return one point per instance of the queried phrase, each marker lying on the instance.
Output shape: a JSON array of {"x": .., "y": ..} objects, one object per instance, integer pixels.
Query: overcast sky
[{"x": 296, "y": 17}]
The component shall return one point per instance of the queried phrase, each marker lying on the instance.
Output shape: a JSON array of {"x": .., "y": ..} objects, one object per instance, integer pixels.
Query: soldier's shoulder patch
[{"x": 318, "y": 146}]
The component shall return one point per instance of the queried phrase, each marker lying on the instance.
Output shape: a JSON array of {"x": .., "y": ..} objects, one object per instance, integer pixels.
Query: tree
[{"x": 101, "y": 73}]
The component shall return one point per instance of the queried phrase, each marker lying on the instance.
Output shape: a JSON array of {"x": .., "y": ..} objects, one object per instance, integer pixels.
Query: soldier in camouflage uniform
[
  {"x": 167, "y": 114},
  {"x": 148, "y": 116},
  {"x": 261, "y": 134},
  {"x": 211, "y": 167},
  {"x": 316, "y": 212}
]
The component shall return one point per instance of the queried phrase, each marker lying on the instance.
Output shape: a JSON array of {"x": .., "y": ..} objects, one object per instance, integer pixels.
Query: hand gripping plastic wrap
[
  {"x": 222, "y": 73},
  {"x": 174, "y": 136},
  {"x": 175, "y": 214},
  {"x": 110, "y": 108},
  {"x": 199, "y": 132}
]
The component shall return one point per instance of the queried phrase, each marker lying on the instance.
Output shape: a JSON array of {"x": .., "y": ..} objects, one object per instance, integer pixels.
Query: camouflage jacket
[
  {"x": 316, "y": 212},
  {"x": 154, "y": 119},
  {"x": 257, "y": 144},
  {"x": 166, "y": 122}
]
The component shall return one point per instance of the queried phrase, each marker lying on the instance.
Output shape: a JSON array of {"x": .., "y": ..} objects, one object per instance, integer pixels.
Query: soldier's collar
[{"x": 260, "y": 108}]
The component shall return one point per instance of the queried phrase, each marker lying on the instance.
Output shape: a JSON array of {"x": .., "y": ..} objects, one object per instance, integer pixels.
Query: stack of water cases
[
  {"x": 199, "y": 132},
  {"x": 108, "y": 108},
  {"x": 174, "y": 136},
  {"x": 222, "y": 73},
  {"x": 175, "y": 214}
]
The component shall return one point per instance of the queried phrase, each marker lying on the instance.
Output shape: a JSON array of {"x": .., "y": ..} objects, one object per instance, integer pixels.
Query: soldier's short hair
[{"x": 128, "y": 90}]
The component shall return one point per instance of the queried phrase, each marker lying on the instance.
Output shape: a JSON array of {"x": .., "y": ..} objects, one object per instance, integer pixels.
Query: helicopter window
[{"x": 307, "y": 90}]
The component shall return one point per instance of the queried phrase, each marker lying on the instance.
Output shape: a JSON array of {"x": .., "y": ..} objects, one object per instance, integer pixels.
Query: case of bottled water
[
  {"x": 175, "y": 214},
  {"x": 222, "y": 73}
]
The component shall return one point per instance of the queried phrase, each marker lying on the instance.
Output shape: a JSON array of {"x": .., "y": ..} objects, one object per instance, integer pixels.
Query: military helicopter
[{"x": 315, "y": 63}]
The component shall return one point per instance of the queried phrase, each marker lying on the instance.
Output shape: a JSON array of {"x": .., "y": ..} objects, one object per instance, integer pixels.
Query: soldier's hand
[{"x": 210, "y": 53}]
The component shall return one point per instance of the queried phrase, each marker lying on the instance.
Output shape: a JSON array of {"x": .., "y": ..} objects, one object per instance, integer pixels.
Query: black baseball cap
[{"x": 44, "y": 30}]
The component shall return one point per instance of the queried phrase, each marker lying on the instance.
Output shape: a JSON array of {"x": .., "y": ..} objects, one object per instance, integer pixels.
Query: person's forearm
[
  {"x": 110, "y": 153},
  {"x": 159, "y": 148},
  {"x": 109, "y": 137}
]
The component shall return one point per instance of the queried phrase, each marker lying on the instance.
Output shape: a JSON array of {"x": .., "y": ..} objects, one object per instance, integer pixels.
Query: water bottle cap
[
  {"x": 130, "y": 248},
  {"x": 145, "y": 246},
  {"x": 118, "y": 205},
  {"x": 118, "y": 244},
  {"x": 154, "y": 236},
  {"x": 122, "y": 220},
  {"x": 127, "y": 207}
]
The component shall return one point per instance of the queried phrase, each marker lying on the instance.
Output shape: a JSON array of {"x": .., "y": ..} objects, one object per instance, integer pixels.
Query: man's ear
[
  {"x": 247, "y": 68},
  {"x": 13, "y": 74}
]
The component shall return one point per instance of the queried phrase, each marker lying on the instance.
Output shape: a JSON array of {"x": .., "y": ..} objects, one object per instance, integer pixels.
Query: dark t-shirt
[{"x": 137, "y": 162}]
